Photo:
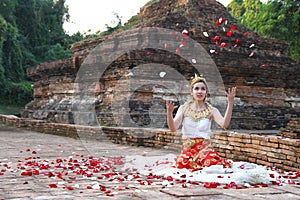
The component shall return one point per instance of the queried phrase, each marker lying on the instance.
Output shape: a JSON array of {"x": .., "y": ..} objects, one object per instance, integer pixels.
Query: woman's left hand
[{"x": 231, "y": 94}]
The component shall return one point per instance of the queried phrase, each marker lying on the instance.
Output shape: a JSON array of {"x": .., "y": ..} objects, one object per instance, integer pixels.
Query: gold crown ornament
[{"x": 197, "y": 79}]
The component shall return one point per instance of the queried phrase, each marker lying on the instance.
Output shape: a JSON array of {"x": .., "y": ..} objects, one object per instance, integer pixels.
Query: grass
[{"x": 10, "y": 110}]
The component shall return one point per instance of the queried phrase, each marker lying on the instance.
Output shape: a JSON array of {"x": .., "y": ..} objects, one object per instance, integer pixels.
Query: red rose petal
[
  {"x": 237, "y": 40},
  {"x": 223, "y": 44},
  {"x": 291, "y": 182},
  {"x": 211, "y": 184},
  {"x": 169, "y": 178},
  {"x": 229, "y": 33},
  {"x": 69, "y": 188},
  {"x": 233, "y": 27},
  {"x": 102, "y": 188},
  {"x": 246, "y": 34},
  {"x": 251, "y": 54},
  {"x": 89, "y": 187},
  {"x": 220, "y": 21},
  {"x": 52, "y": 185},
  {"x": 27, "y": 173}
]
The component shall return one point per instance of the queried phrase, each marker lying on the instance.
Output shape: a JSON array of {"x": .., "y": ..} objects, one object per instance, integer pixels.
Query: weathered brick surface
[{"x": 292, "y": 129}]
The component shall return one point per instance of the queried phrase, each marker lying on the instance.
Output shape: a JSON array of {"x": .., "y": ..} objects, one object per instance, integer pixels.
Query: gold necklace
[{"x": 196, "y": 115}]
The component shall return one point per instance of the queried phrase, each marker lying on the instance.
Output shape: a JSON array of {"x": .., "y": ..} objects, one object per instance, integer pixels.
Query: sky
[{"x": 93, "y": 15}]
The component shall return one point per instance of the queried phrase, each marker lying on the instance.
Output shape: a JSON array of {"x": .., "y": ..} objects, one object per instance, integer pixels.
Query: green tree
[
  {"x": 276, "y": 19},
  {"x": 31, "y": 32}
]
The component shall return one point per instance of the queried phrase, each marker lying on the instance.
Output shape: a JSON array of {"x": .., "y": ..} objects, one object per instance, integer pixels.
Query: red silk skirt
[{"x": 197, "y": 153}]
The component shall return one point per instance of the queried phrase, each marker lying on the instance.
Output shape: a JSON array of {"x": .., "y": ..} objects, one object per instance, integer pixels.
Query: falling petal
[
  {"x": 148, "y": 53},
  {"x": 246, "y": 34},
  {"x": 229, "y": 33},
  {"x": 178, "y": 51},
  {"x": 212, "y": 51},
  {"x": 167, "y": 46},
  {"x": 252, "y": 45},
  {"x": 224, "y": 29},
  {"x": 194, "y": 61},
  {"x": 264, "y": 65},
  {"x": 237, "y": 40},
  {"x": 233, "y": 27},
  {"x": 220, "y": 21},
  {"x": 251, "y": 54},
  {"x": 223, "y": 44},
  {"x": 162, "y": 74},
  {"x": 216, "y": 38},
  {"x": 185, "y": 32},
  {"x": 205, "y": 34}
]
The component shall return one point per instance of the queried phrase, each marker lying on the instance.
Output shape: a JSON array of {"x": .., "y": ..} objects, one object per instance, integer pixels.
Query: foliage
[
  {"x": 109, "y": 29},
  {"x": 31, "y": 32},
  {"x": 276, "y": 19}
]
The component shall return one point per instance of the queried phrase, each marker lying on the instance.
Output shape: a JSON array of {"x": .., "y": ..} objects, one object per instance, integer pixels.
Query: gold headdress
[{"x": 197, "y": 78}]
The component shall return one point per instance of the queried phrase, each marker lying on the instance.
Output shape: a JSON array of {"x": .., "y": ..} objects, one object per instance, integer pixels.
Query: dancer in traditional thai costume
[
  {"x": 195, "y": 117},
  {"x": 198, "y": 160}
]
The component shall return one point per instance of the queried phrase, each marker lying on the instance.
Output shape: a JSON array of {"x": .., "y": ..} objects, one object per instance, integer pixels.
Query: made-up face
[{"x": 199, "y": 91}]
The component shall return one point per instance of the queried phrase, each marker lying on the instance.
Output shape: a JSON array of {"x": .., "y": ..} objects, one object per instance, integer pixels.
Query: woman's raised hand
[
  {"x": 170, "y": 106},
  {"x": 231, "y": 94}
]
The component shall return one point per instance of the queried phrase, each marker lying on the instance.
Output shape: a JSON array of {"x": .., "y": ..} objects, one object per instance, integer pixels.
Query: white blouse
[
  {"x": 200, "y": 128},
  {"x": 196, "y": 129}
]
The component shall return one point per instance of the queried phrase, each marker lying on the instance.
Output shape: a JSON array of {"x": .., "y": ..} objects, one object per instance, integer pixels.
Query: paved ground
[{"x": 40, "y": 166}]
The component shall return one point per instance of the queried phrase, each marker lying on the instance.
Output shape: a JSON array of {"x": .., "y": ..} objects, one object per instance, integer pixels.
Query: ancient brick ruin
[{"x": 267, "y": 79}]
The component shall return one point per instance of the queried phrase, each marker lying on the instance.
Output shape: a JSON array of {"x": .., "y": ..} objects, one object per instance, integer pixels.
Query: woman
[
  {"x": 195, "y": 117},
  {"x": 198, "y": 161}
]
